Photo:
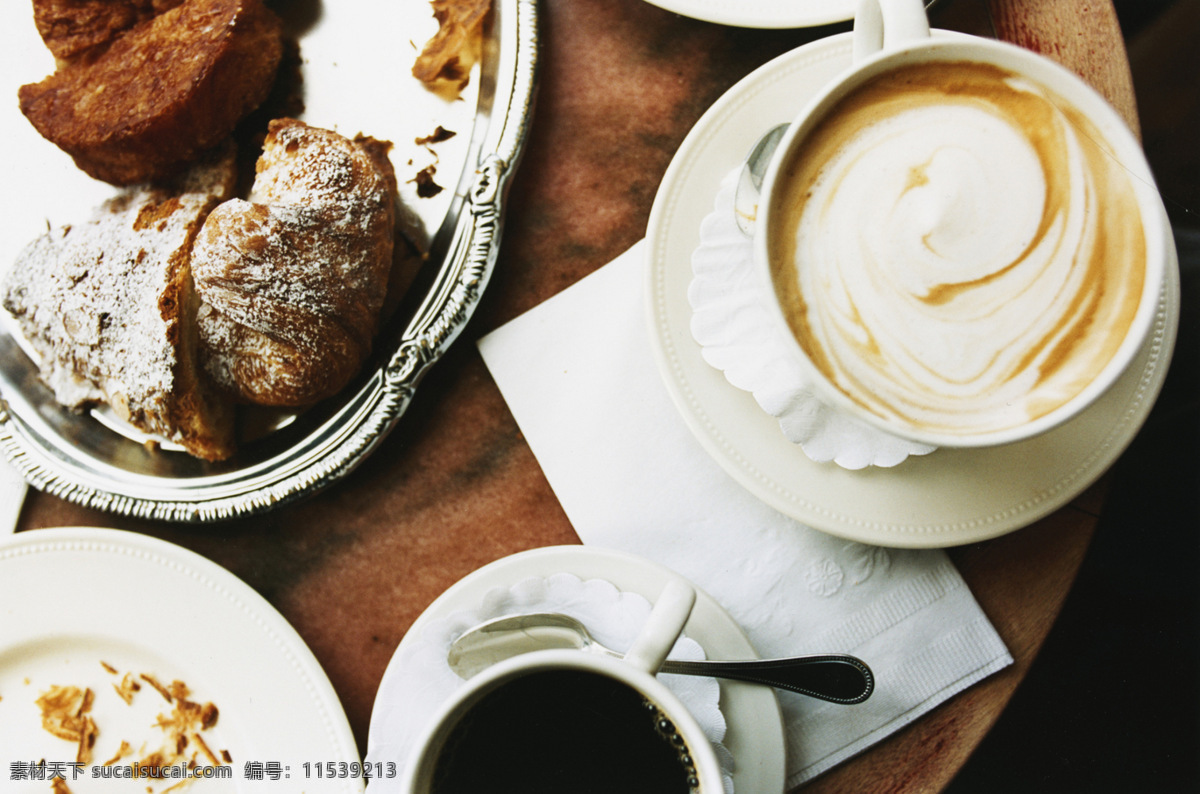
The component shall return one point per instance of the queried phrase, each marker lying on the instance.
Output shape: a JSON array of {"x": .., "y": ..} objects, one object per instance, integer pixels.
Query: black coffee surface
[{"x": 567, "y": 732}]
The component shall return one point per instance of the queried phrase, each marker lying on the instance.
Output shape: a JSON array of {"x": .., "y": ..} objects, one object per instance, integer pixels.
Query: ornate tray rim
[{"x": 471, "y": 237}]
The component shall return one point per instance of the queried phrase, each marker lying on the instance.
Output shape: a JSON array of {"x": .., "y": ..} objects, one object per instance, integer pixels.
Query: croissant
[
  {"x": 291, "y": 281},
  {"x": 109, "y": 308}
]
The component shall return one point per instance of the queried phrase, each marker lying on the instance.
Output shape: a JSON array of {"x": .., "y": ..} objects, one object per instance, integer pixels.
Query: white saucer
[
  {"x": 754, "y": 734},
  {"x": 762, "y": 13},
  {"x": 947, "y": 498},
  {"x": 71, "y": 598}
]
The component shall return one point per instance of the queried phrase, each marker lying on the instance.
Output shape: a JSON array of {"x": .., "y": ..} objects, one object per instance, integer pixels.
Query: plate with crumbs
[
  {"x": 169, "y": 660},
  {"x": 346, "y": 67}
]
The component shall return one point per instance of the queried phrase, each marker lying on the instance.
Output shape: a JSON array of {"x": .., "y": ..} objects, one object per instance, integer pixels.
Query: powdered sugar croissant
[
  {"x": 292, "y": 280},
  {"x": 109, "y": 307}
]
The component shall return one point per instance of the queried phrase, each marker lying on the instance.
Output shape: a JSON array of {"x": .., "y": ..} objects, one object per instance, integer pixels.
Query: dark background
[{"x": 1112, "y": 703}]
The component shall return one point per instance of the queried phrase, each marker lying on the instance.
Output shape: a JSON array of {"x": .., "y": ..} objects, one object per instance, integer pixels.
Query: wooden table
[{"x": 456, "y": 486}]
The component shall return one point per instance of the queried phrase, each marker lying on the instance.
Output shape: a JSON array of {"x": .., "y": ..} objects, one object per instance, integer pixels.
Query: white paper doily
[
  {"x": 737, "y": 337},
  {"x": 612, "y": 616}
]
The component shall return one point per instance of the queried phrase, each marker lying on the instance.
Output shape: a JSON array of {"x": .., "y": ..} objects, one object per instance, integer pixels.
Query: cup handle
[
  {"x": 887, "y": 24},
  {"x": 662, "y": 628}
]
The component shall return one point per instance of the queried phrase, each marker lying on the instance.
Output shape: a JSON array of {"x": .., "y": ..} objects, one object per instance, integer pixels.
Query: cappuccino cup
[
  {"x": 962, "y": 239},
  {"x": 566, "y": 720}
]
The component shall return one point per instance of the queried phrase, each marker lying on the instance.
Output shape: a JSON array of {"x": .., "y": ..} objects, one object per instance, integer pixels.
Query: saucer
[
  {"x": 762, "y": 13},
  {"x": 77, "y": 604},
  {"x": 754, "y": 725},
  {"x": 947, "y": 498}
]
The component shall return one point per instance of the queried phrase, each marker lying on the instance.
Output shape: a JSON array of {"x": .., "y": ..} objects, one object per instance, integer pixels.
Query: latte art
[{"x": 957, "y": 253}]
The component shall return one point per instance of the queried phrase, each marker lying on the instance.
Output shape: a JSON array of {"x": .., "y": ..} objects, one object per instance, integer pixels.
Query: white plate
[
  {"x": 73, "y": 597},
  {"x": 762, "y": 13},
  {"x": 754, "y": 733},
  {"x": 947, "y": 498}
]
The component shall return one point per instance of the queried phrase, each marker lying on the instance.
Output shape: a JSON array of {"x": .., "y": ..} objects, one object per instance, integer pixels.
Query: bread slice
[
  {"x": 80, "y": 29},
  {"x": 110, "y": 309},
  {"x": 164, "y": 91}
]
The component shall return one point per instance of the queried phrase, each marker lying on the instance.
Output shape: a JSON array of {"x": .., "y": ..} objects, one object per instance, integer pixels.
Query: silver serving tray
[{"x": 82, "y": 458}]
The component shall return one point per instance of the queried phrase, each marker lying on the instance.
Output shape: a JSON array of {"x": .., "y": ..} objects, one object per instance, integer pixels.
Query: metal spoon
[
  {"x": 837, "y": 678},
  {"x": 749, "y": 186}
]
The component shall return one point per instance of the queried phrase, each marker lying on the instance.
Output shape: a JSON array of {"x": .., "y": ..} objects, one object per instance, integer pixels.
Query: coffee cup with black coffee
[
  {"x": 569, "y": 720},
  {"x": 962, "y": 240}
]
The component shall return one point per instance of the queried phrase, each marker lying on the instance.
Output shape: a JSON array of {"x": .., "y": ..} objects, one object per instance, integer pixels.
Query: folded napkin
[{"x": 579, "y": 376}]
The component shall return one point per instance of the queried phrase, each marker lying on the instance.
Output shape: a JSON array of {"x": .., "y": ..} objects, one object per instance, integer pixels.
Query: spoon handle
[{"x": 836, "y": 678}]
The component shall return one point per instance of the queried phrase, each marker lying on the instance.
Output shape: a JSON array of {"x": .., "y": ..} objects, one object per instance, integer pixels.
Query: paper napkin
[{"x": 579, "y": 376}]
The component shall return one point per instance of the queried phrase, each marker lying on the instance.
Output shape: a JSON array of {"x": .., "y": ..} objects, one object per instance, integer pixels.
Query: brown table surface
[{"x": 456, "y": 486}]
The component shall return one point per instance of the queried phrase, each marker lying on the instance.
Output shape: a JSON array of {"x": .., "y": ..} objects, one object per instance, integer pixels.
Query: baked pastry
[
  {"x": 452, "y": 51},
  {"x": 109, "y": 308},
  {"x": 291, "y": 281},
  {"x": 77, "y": 29},
  {"x": 162, "y": 92}
]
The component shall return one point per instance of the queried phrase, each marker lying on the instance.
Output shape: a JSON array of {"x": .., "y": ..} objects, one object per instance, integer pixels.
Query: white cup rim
[
  {"x": 1115, "y": 132},
  {"x": 708, "y": 769}
]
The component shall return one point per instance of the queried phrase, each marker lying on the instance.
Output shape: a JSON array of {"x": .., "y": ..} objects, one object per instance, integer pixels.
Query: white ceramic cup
[
  {"x": 636, "y": 670},
  {"x": 892, "y": 34}
]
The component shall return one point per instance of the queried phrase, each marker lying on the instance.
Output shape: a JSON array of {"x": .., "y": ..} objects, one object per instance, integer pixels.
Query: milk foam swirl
[{"x": 960, "y": 256}]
